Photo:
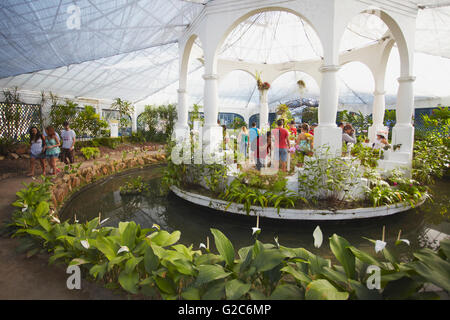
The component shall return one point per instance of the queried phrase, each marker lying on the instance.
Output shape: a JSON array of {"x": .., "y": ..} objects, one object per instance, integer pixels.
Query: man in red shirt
[{"x": 282, "y": 144}]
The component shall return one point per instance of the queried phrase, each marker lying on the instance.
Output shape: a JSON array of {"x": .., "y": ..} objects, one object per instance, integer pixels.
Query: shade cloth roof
[{"x": 128, "y": 49}]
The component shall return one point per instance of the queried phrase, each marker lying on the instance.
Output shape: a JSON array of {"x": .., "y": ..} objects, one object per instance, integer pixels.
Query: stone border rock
[{"x": 294, "y": 214}]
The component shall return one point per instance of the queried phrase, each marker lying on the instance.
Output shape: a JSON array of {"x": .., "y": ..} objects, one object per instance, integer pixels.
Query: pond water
[{"x": 423, "y": 226}]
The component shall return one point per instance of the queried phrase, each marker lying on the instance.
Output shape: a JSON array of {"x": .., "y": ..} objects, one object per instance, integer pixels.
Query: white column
[
  {"x": 263, "y": 110},
  {"x": 403, "y": 132},
  {"x": 212, "y": 132},
  {"x": 379, "y": 106},
  {"x": 181, "y": 130},
  {"x": 134, "y": 121},
  {"x": 327, "y": 134}
]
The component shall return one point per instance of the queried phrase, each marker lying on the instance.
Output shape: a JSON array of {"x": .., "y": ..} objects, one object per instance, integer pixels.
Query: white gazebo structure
[{"x": 329, "y": 19}]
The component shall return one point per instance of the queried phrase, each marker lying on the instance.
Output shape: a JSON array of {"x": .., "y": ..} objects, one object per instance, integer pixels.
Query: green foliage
[
  {"x": 158, "y": 122},
  {"x": 63, "y": 112},
  {"x": 215, "y": 177},
  {"x": 360, "y": 122},
  {"x": 125, "y": 109},
  {"x": 367, "y": 156},
  {"x": 90, "y": 152},
  {"x": 239, "y": 192},
  {"x": 152, "y": 262},
  {"x": 310, "y": 115},
  {"x": 88, "y": 122},
  {"x": 134, "y": 186},
  {"x": 195, "y": 116},
  {"x": 238, "y": 123},
  {"x": 327, "y": 177}
]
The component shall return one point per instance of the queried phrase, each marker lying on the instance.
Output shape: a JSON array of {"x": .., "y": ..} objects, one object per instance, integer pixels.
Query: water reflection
[{"x": 423, "y": 226}]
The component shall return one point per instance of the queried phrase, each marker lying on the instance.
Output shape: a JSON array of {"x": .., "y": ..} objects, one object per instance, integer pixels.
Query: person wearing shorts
[
  {"x": 281, "y": 143},
  {"x": 37, "y": 151},
  {"x": 52, "y": 148},
  {"x": 68, "y": 142}
]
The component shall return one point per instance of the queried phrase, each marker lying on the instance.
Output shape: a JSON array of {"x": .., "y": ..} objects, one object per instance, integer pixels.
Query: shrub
[{"x": 90, "y": 152}]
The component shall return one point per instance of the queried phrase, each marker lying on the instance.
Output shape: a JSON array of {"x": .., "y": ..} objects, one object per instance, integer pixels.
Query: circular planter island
[{"x": 294, "y": 214}]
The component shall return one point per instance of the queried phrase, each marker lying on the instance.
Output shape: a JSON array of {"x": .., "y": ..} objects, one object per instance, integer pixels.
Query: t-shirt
[
  {"x": 283, "y": 134},
  {"x": 253, "y": 133},
  {"x": 67, "y": 138}
]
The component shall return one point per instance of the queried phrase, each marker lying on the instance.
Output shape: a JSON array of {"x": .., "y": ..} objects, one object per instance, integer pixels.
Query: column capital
[
  {"x": 406, "y": 79},
  {"x": 181, "y": 91},
  {"x": 329, "y": 68},
  {"x": 211, "y": 76}
]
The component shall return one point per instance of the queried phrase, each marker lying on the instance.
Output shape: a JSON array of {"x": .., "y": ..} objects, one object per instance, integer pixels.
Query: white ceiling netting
[{"x": 128, "y": 49}]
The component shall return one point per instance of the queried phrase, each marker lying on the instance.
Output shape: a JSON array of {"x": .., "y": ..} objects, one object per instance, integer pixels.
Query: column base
[
  {"x": 180, "y": 133},
  {"x": 404, "y": 135},
  {"x": 212, "y": 140},
  {"x": 328, "y": 137}
]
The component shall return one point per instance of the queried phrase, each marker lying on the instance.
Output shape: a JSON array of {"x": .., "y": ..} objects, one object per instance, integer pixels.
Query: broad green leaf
[
  {"x": 224, "y": 246},
  {"x": 163, "y": 238},
  {"x": 42, "y": 209},
  {"x": 98, "y": 270},
  {"x": 340, "y": 248},
  {"x": 362, "y": 292},
  {"x": 323, "y": 290},
  {"x": 45, "y": 224},
  {"x": 235, "y": 289},
  {"x": 183, "y": 266},
  {"x": 210, "y": 273},
  {"x": 215, "y": 291},
  {"x": 129, "y": 235},
  {"x": 78, "y": 261},
  {"x": 166, "y": 285},
  {"x": 40, "y": 233},
  {"x": 131, "y": 264},
  {"x": 107, "y": 247},
  {"x": 364, "y": 257},
  {"x": 433, "y": 268},
  {"x": 151, "y": 261},
  {"x": 298, "y": 275},
  {"x": 256, "y": 295},
  {"x": 287, "y": 292},
  {"x": 445, "y": 248},
  {"x": 129, "y": 281},
  {"x": 268, "y": 259},
  {"x": 401, "y": 289},
  {"x": 191, "y": 294}
]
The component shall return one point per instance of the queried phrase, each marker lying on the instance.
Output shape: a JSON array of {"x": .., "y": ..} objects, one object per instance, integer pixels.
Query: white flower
[
  {"x": 103, "y": 221},
  {"x": 318, "y": 237},
  {"x": 25, "y": 207},
  {"x": 276, "y": 241},
  {"x": 202, "y": 245},
  {"x": 56, "y": 219},
  {"x": 255, "y": 229},
  {"x": 122, "y": 249},
  {"x": 405, "y": 241},
  {"x": 75, "y": 219},
  {"x": 156, "y": 226},
  {"x": 379, "y": 245},
  {"x": 85, "y": 244}
]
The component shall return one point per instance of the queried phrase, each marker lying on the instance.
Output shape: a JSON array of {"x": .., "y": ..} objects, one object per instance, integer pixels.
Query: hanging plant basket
[
  {"x": 301, "y": 84},
  {"x": 263, "y": 85}
]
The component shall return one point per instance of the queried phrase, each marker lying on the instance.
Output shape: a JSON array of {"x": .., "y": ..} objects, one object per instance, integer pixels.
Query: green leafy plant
[
  {"x": 88, "y": 122},
  {"x": 134, "y": 186},
  {"x": 90, "y": 152}
]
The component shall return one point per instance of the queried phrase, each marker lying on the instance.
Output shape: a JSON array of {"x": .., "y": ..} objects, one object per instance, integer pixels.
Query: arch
[
  {"x": 316, "y": 77},
  {"x": 397, "y": 33},
  {"x": 184, "y": 64},
  {"x": 253, "y": 12},
  {"x": 236, "y": 78},
  {"x": 360, "y": 78},
  {"x": 360, "y": 61}
]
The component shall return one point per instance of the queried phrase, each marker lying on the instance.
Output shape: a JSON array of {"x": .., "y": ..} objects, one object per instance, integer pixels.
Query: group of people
[
  {"x": 348, "y": 136},
  {"x": 47, "y": 145},
  {"x": 260, "y": 145}
]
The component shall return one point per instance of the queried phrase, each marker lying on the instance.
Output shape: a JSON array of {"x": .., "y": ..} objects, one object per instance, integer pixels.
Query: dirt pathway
[{"x": 34, "y": 278}]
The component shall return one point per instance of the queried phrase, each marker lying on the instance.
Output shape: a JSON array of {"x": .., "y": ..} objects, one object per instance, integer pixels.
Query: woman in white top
[{"x": 37, "y": 150}]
